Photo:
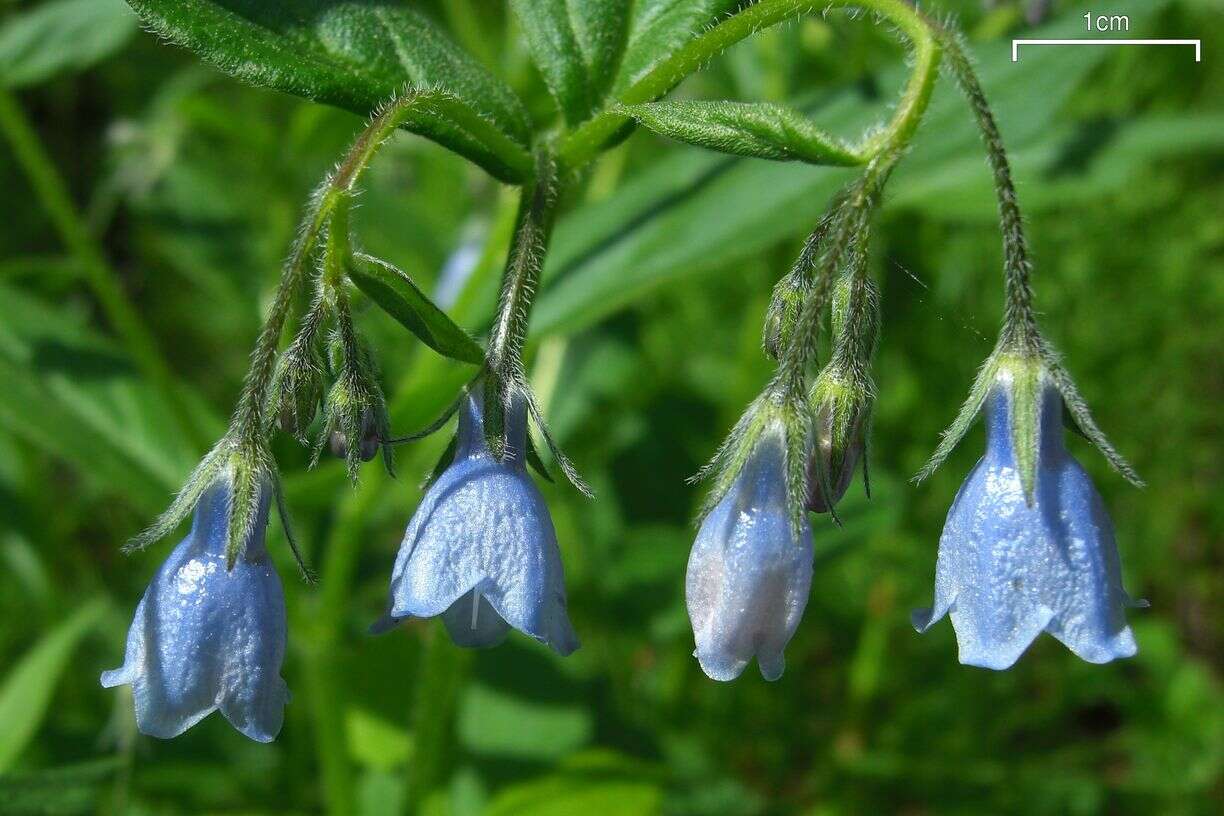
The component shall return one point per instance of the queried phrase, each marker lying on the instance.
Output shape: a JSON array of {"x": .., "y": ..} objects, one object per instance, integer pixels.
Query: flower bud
[
  {"x": 855, "y": 327},
  {"x": 842, "y": 412},
  {"x": 783, "y": 313},
  {"x": 297, "y": 390},
  {"x": 370, "y": 438},
  {"x": 356, "y": 425}
]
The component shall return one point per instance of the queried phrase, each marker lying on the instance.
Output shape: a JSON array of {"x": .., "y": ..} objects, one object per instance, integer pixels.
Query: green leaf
[
  {"x": 354, "y": 56},
  {"x": 761, "y": 130},
  {"x": 70, "y": 392},
  {"x": 62, "y": 35},
  {"x": 401, "y": 298},
  {"x": 536, "y": 462},
  {"x": 576, "y": 44},
  {"x": 27, "y": 689},
  {"x": 658, "y": 27},
  {"x": 494, "y": 722},
  {"x": 64, "y": 790},
  {"x": 593, "y": 784},
  {"x": 674, "y": 217}
]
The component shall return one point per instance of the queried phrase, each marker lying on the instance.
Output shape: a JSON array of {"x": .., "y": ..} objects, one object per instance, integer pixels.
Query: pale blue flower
[
  {"x": 205, "y": 638},
  {"x": 748, "y": 574},
  {"x": 1008, "y": 570},
  {"x": 481, "y": 550}
]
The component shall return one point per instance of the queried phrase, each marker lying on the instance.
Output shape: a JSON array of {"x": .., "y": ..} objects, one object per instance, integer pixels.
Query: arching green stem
[
  {"x": 1019, "y": 322},
  {"x": 595, "y": 135},
  {"x": 524, "y": 262},
  {"x": 248, "y": 420},
  {"x": 791, "y": 375}
]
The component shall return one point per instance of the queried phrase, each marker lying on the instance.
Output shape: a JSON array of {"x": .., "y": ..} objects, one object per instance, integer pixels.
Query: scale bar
[{"x": 1198, "y": 44}]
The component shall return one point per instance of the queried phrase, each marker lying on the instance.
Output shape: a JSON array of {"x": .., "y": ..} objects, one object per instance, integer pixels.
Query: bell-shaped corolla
[
  {"x": 749, "y": 570},
  {"x": 1011, "y": 566},
  {"x": 481, "y": 550},
  {"x": 207, "y": 638}
]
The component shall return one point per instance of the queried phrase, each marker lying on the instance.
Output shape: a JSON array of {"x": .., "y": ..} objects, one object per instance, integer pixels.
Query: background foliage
[{"x": 176, "y": 190}]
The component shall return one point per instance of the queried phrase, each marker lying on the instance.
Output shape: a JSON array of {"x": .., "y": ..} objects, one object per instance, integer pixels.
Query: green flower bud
[
  {"x": 841, "y": 405},
  {"x": 297, "y": 390},
  {"x": 783, "y": 314},
  {"x": 855, "y": 327}
]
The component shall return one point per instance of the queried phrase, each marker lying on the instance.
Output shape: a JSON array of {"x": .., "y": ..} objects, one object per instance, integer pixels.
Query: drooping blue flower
[
  {"x": 481, "y": 550},
  {"x": 205, "y": 638},
  {"x": 1008, "y": 569},
  {"x": 748, "y": 574}
]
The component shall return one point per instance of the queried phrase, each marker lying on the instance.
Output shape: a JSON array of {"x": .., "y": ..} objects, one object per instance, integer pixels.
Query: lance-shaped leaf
[
  {"x": 577, "y": 46},
  {"x": 672, "y": 219},
  {"x": 61, "y": 35},
  {"x": 658, "y": 27},
  {"x": 401, "y": 298},
  {"x": 352, "y": 55},
  {"x": 759, "y": 129}
]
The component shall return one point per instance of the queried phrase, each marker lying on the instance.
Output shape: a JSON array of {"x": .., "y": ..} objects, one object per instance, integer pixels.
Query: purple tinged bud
[
  {"x": 371, "y": 438},
  {"x": 843, "y": 394},
  {"x": 842, "y": 411},
  {"x": 1009, "y": 569},
  {"x": 205, "y": 638},
  {"x": 748, "y": 574}
]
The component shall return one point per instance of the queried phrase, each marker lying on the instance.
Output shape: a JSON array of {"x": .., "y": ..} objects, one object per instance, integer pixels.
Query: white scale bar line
[{"x": 1198, "y": 45}]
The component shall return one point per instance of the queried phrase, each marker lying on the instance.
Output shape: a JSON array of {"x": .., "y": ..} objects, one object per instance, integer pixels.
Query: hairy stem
[
  {"x": 537, "y": 211},
  {"x": 597, "y": 134},
  {"x": 1019, "y": 321},
  {"x": 791, "y": 376},
  {"x": 248, "y": 421}
]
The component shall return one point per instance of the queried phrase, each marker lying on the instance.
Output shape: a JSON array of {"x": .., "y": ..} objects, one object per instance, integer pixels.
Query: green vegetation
[{"x": 150, "y": 201}]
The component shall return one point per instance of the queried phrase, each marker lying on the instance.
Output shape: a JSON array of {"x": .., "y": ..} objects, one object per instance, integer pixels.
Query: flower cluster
[
  {"x": 1027, "y": 547},
  {"x": 480, "y": 552}
]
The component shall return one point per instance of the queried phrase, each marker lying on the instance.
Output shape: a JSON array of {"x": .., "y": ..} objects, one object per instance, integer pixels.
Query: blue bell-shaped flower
[
  {"x": 205, "y": 638},
  {"x": 1008, "y": 567},
  {"x": 748, "y": 574},
  {"x": 481, "y": 550}
]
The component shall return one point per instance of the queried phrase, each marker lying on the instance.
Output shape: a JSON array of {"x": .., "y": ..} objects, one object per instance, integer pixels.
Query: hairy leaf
[
  {"x": 352, "y": 55},
  {"x": 577, "y": 45},
  {"x": 401, "y": 298},
  {"x": 690, "y": 207},
  {"x": 657, "y": 27},
  {"x": 761, "y": 130}
]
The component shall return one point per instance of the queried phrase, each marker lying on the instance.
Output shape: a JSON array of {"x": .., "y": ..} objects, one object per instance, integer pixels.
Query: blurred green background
[{"x": 139, "y": 182}]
